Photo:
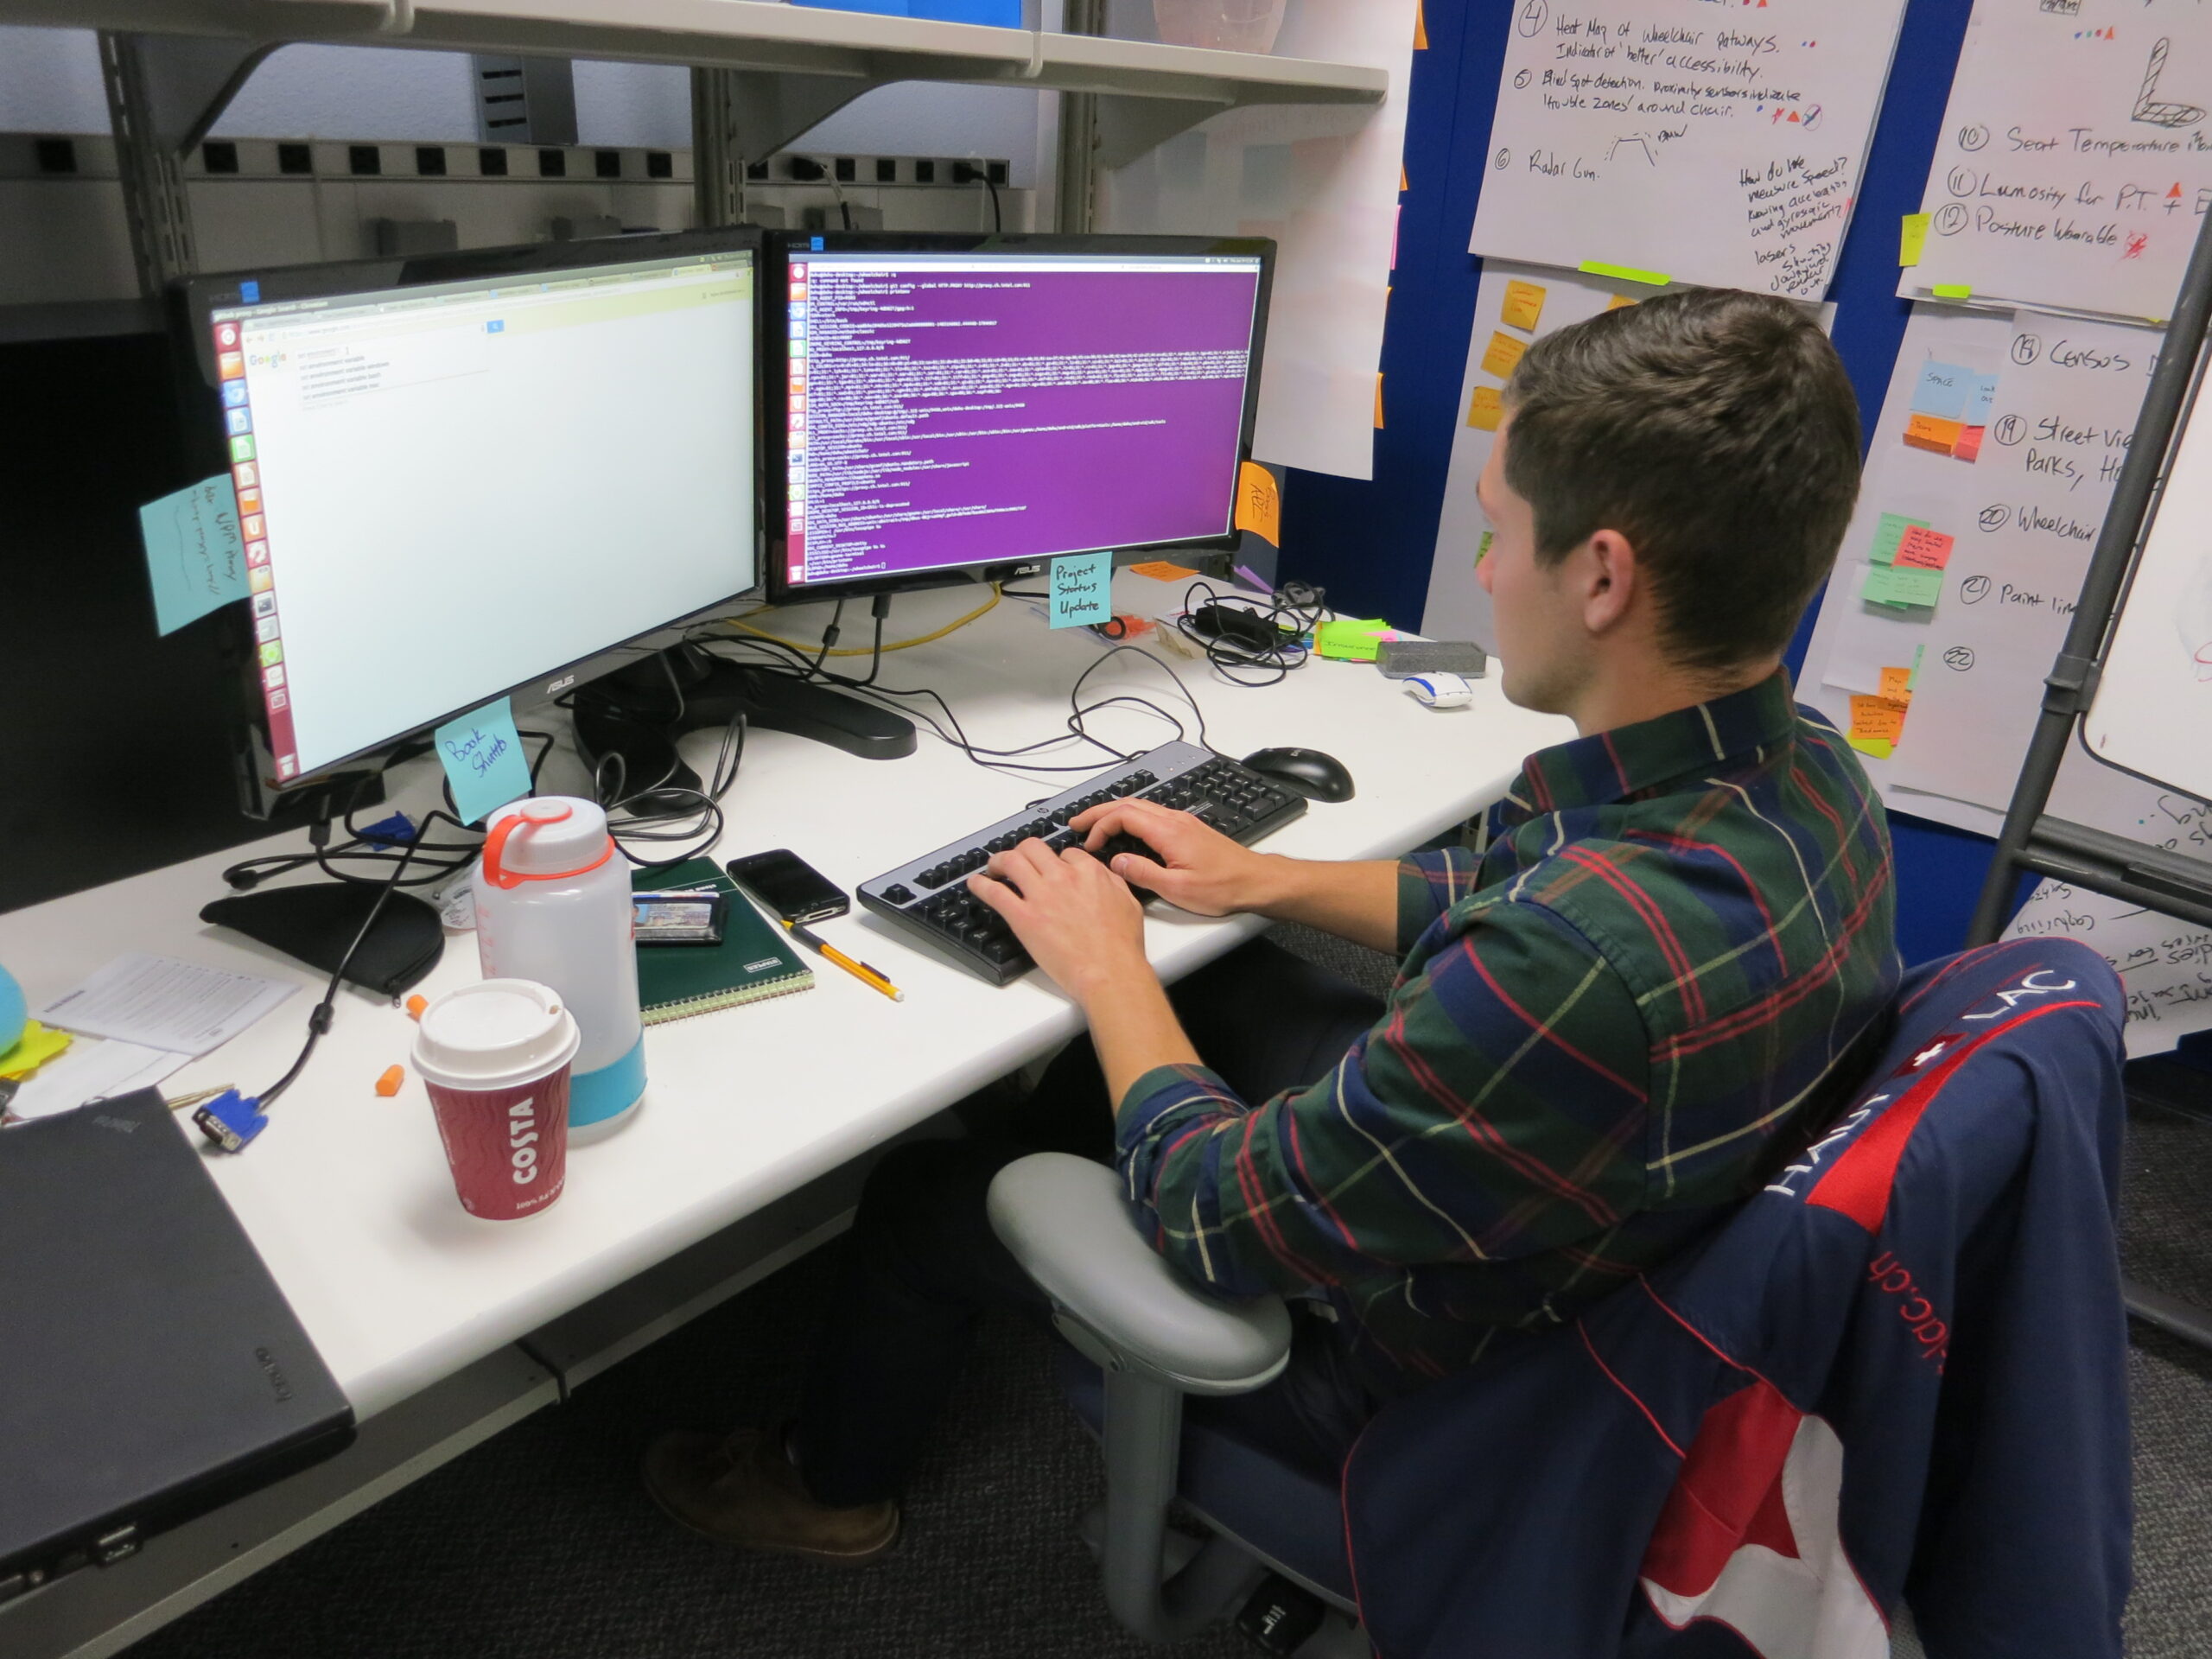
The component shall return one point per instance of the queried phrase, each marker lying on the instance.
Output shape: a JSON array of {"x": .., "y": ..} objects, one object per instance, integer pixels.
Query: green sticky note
[
  {"x": 1951, "y": 291},
  {"x": 1889, "y": 531},
  {"x": 1912, "y": 683},
  {"x": 1888, "y": 585},
  {"x": 1080, "y": 590},
  {"x": 484, "y": 762},
  {"x": 1625, "y": 273},
  {"x": 193, "y": 553},
  {"x": 1351, "y": 639}
]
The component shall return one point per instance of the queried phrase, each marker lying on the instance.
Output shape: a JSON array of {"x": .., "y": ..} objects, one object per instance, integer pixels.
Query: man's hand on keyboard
[
  {"x": 1190, "y": 864},
  {"x": 1071, "y": 913}
]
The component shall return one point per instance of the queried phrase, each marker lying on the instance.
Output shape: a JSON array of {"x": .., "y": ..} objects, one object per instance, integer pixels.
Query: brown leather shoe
[{"x": 740, "y": 1489}]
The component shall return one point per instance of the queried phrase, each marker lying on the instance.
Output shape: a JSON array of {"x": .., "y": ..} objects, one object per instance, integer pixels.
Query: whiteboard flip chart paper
[
  {"x": 1713, "y": 144},
  {"x": 2153, "y": 710},
  {"x": 1323, "y": 182},
  {"x": 2075, "y": 162},
  {"x": 1524, "y": 303},
  {"x": 2063, "y": 415},
  {"x": 1950, "y": 644},
  {"x": 2164, "y": 966}
]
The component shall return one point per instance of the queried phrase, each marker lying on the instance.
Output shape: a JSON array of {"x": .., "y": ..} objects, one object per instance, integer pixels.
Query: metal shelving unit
[{"x": 767, "y": 73}]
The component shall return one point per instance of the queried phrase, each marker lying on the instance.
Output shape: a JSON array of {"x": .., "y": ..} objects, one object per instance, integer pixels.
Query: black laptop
[{"x": 150, "y": 1368}]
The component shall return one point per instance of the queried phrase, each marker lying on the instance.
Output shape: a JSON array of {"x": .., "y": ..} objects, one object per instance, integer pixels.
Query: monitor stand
[{"x": 632, "y": 713}]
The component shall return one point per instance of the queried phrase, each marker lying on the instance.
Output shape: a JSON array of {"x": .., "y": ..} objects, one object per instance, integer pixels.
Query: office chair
[{"x": 1591, "y": 1567}]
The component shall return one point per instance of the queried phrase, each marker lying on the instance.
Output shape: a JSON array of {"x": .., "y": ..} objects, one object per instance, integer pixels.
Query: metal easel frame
[{"x": 2033, "y": 840}]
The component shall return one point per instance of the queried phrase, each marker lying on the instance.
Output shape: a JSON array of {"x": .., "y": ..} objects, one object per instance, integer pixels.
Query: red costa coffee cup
[{"x": 495, "y": 1058}]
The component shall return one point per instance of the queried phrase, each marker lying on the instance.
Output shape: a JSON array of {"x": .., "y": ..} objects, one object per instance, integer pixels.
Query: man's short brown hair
[{"x": 1717, "y": 431}]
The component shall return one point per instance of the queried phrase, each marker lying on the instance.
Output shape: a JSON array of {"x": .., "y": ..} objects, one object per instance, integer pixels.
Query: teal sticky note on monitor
[
  {"x": 484, "y": 762},
  {"x": 193, "y": 553},
  {"x": 1080, "y": 589}
]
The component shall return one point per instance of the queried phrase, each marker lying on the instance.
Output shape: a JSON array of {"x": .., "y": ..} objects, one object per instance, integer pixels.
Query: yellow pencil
[{"x": 859, "y": 971}]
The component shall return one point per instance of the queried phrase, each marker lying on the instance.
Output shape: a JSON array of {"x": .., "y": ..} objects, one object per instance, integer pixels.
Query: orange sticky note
[
  {"x": 1162, "y": 570},
  {"x": 1485, "y": 409},
  {"x": 388, "y": 1085},
  {"x": 1922, "y": 549},
  {"x": 1403, "y": 186},
  {"x": 1879, "y": 718},
  {"x": 1928, "y": 432},
  {"x": 1420, "y": 43},
  {"x": 1259, "y": 503},
  {"x": 1524, "y": 303},
  {"x": 1379, "y": 400},
  {"x": 1618, "y": 301},
  {"x": 1897, "y": 684},
  {"x": 1504, "y": 353}
]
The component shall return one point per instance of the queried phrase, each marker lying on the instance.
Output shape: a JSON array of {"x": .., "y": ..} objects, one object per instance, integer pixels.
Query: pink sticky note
[{"x": 1922, "y": 549}]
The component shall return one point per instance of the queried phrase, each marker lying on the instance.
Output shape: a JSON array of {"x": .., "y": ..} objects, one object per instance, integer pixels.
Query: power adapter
[{"x": 1235, "y": 623}]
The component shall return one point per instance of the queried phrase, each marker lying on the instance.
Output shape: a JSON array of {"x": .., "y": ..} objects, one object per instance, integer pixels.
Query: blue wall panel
[{"x": 1370, "y": 544}]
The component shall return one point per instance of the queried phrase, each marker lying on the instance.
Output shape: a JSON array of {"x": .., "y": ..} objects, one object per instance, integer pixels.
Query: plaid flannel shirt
[{"x": 1655, "y": 980}]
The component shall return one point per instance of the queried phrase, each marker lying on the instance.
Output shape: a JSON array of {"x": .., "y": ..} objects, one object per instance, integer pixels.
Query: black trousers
[{"x": 922, "y": 1262}]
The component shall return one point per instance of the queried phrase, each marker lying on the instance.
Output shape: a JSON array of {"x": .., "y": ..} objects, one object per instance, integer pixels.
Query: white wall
[{"x": 50, "y": 82}]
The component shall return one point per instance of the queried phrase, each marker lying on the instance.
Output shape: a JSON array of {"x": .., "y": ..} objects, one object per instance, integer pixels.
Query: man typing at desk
[{"x": 1606, "y": 1029}]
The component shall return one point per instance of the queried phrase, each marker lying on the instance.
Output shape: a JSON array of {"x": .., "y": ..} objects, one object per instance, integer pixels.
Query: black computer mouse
[{"x": 1316, "y": 776}]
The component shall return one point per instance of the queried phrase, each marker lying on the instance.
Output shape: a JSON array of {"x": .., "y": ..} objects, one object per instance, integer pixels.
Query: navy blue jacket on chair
[{"x": 1897, "y": 1371}]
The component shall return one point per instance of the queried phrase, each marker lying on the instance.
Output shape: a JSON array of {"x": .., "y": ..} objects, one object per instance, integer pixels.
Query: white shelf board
[{"x": 745, "y": 35}]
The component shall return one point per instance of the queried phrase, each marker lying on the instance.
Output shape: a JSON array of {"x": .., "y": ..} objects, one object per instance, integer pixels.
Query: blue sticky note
[
  {"x": 192, "y": 551},
  {"x": 1080, "y": 589},
  {"x": 1983, "y": 400},
  {"x": 484, "y": 760},
  {"x": 1943, "y": 391}
]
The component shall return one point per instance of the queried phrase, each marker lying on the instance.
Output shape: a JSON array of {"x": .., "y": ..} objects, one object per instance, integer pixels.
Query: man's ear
[{"x": 1610, "y": 581}]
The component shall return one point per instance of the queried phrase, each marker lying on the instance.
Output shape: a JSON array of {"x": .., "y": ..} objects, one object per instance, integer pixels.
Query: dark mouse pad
[{"x": 316, "y": 923}]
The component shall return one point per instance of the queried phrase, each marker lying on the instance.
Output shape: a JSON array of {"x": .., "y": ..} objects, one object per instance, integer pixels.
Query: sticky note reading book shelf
[
  {"x": 484, "y": 762},
  {"x": 1079, "y": 589}
]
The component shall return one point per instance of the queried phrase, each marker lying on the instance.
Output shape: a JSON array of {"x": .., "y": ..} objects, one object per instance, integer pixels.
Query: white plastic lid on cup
[{"x": 494, "y": 1034}]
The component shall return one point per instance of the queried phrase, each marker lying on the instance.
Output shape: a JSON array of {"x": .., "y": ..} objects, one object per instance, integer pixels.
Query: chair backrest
[{"x": 1858, "y": 1378}]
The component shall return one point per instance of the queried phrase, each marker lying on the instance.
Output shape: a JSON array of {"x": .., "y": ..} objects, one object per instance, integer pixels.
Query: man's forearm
[
  {"x": 1355, "y": 902},
  {"x": 1133, "y": 1027}
]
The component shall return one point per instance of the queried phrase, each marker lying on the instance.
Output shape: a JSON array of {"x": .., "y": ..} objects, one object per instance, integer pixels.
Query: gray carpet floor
[{"x": 540, "y": 1544}]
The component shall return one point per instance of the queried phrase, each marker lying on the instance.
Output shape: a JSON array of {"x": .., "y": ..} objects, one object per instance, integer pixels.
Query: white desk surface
[{"x": 346, "y": 1194}]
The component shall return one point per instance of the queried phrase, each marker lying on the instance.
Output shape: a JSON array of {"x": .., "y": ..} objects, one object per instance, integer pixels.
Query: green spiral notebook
[{"x": 755, "y": 959}]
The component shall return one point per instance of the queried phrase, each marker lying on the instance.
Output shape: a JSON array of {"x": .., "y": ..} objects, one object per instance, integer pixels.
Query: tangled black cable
[
  {"x": 1290, "y": 613},
  {"x": 779, "y": 658}
]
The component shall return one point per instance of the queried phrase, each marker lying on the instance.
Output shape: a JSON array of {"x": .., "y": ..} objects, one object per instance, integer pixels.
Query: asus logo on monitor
[{"x": 561, "y": 684}]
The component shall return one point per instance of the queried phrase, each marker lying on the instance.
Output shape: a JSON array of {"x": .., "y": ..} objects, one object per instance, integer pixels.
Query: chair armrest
[{"x": 1066, "y": 1223}]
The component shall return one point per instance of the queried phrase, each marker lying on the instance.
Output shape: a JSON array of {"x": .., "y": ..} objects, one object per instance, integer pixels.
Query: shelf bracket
[
  {"x": 189, "y": 81},
  {"x": 1129, "y": 127},
  {"x": 741, "y": 115}
]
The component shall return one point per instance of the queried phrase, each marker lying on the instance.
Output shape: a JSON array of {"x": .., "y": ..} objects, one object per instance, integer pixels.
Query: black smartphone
[{"x": 789, "y": 886}]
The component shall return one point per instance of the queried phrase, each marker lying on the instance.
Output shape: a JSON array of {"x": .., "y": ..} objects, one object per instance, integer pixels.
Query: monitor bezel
[
  {"x": 775, "y": 358},
  {"x": 193, "y": 301}
]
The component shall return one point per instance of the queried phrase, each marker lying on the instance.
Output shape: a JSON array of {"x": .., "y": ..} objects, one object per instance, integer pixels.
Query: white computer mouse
[{"x": 1438, "y": 691}]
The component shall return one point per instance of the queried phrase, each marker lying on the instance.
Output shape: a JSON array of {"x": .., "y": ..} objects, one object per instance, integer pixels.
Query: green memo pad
[{"x": 754, "y": 960}]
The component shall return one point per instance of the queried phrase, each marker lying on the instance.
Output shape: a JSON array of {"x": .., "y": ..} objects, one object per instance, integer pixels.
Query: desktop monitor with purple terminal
[{"x": 957, "y": 406}]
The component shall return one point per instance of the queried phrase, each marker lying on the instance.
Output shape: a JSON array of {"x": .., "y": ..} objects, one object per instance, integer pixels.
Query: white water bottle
[{"x": 553, "y": 905}]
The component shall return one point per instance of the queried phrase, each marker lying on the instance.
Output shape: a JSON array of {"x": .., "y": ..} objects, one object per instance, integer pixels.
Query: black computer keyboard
[{"x": 928, "y": 897}]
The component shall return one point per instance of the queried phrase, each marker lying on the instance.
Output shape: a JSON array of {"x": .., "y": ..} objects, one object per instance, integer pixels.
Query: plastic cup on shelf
[{"x": 1224, "y": 25}]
